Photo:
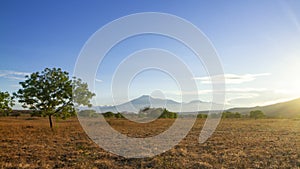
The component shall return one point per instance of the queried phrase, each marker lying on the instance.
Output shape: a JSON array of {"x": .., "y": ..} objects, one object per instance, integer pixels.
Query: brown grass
[{"x": 241, "y": 143}]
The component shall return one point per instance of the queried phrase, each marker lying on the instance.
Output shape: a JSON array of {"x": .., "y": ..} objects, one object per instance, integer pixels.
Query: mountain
[
  {"x": 147, "y": 101},
  {"x": 289, "y": 109}
]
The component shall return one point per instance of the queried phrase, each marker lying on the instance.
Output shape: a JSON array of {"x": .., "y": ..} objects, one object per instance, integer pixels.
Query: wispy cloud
[
  {"x": 98, "y": 80},
  {"x": 230, "y": 78},
  {"x": 14, "y": 75},
  {"x": 228, "y": 91}
]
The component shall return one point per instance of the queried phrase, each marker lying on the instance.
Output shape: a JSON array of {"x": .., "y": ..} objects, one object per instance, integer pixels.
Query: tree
[
  {"x": 237, "y": 115},
  {"x": 168, "y": 114},
  {"x": 228, "y": 114},
  {"x": 257, "y": 114},
  {"x": 201, "y": 115},
  {"x": 53, "y": 93},
  {"x": 119, "y": 115},
  {"x": 108, "y": 114},
  {"x": 6, "y": 102},
  {"x": 87, "y": 113}
]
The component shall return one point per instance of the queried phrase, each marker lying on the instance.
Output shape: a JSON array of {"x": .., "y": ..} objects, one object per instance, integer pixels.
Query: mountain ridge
[
  {"x": 288, "y": 109},
  {"x": 147, "y": 101}
]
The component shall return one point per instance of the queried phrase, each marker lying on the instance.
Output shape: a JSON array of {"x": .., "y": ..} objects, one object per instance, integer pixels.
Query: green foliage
[
  {"x": 237, "y": 115},
  {"x": 214, "y": 115},
  {"x": 53, "y": 93},
  {"x": 150, "y": 112},
  {"x": 108, "y": 114},
  {"x": 6, "y": 102},
  {"x": 87, "y": 113},
  {"x": 119, "y": 116},
  {"x": 231, "y": 115},
  {"x": 145, "y": 109},
  {"x": 81, "y": 93},
  {"x": 146, "y": 112},
  {"x": 113, "y": 115},
  {"x": 202, "y": 116},
  {"x": 168, "y": 114},
  {"x": 257, "y": 114}
]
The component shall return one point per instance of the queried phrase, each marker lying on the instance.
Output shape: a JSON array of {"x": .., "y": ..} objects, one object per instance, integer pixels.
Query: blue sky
[{"x": 258, "y": 43}]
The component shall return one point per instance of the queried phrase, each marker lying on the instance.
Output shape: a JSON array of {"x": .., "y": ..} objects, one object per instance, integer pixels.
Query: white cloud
[
  {"x": 230, "y": 78},
  {"x": 245, "y": 90},
  {"x": 98, "y": 80},
  {"x": 228, "y": 91},
  {"x": 15, "y": 75}
]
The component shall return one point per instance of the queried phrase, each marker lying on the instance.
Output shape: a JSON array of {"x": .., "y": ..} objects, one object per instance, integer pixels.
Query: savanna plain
[{"x": 28, "y": 142}]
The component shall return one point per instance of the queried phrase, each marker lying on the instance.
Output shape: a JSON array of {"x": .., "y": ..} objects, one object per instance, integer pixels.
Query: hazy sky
[{"x": 258, "y": 43}]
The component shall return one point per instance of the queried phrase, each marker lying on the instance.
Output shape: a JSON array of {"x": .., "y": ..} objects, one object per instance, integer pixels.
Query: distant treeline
[
  {"x": 257, "y": 114},
  {"x": 146, "y": 112},
  {"x": 164, "y": 113},
  {"x": 16, "y": 113}
]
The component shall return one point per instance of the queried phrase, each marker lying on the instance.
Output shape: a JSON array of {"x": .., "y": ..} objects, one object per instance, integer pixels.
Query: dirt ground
[{"x": 237, "y": 143}]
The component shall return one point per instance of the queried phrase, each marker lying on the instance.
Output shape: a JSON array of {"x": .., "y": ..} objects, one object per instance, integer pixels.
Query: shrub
[
  {"x": 257, "y": 114},
  {"x": 108, "y": 114},
  {"x": 202, "y": 116},
  {"x": 87, "y": 113},
  {"x": 6, "y": 102},
  {"x": 168, "y": 114},
  {"x": 231, "y": 115},
  {"x": 119, "y": 115}
]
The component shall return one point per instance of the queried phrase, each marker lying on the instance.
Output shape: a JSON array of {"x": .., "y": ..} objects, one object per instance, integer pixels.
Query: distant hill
[
  {"x": 289, "y": 109},
  {"x": 148, "y": 101}
]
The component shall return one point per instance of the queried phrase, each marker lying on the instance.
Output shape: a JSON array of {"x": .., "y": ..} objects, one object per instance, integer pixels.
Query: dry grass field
[{"x": 237, "y": 143}]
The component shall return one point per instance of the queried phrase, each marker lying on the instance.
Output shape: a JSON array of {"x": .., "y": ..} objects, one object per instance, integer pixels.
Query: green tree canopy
[
  {"x": 228, "y": 114},
  {"x": 168, "y": 114},
  {"x": 257, "y": 114},
  {"x": 87, "y": 113},
  {"x": 53, "y": 93},
  {"x": 6, "y": 102},
  {"x": 108, "y": 114}
]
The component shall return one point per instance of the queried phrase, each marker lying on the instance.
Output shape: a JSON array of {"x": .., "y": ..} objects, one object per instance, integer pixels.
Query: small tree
[
  {"x": 53, "y": 93},
  {"x": 108, "y": 114},
  {"x": 168, "y": 114},
  {"x": 201, "y": 115},
  {"x": 87, "y": 113},
  {"x": 257, "y": 114},
  {"x": 237, "y": 115},
  {"x": 6, "y": 102},
  {"x": 228, "y": 114},
  {"x": 119, "y": 115}
]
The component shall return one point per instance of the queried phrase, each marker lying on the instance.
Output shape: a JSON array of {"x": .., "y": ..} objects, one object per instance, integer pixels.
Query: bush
[
  {"x": 202, "y": 116},
  {"x": 231, "y": 115},
  {"x": 119, "y": 115},
  {"x": 6, "y": 102},
  {"x": 108, "y": 114},
  {"x": 257, "y": 114},
  {"x": 87, "y": 113},
  {"x": 168, "y": 114}
]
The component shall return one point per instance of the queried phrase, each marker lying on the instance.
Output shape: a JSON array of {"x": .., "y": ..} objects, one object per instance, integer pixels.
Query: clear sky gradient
[{"x": 258, "y": 43}]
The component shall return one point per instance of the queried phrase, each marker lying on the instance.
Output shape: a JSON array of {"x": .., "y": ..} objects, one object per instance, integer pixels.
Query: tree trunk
[{"x": 50, "y": 121}]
